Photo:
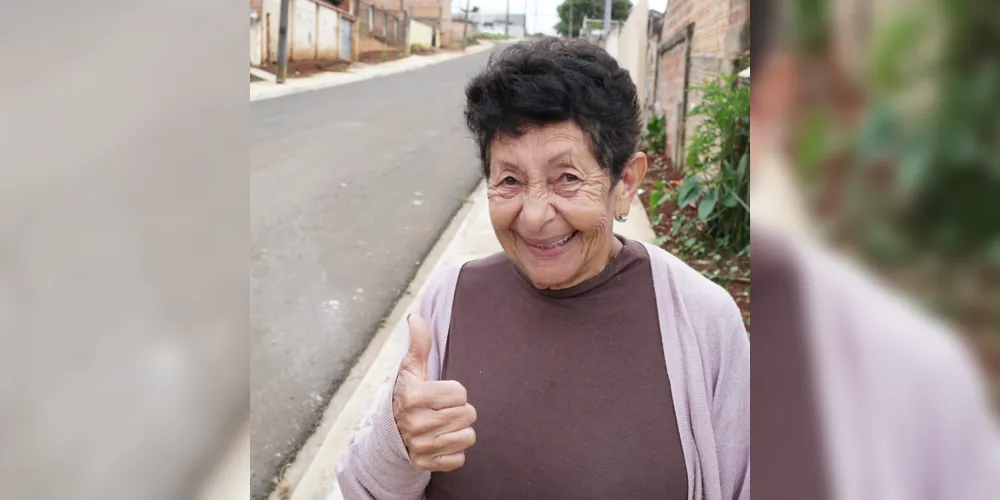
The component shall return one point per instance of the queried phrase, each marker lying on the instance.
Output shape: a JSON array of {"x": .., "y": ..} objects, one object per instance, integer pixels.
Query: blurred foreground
[
  {"x": 123, "y": 248},
  {"x": 876, "y": 134}
]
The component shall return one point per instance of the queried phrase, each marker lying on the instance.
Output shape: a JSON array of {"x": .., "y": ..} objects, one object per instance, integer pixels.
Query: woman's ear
[{"x": 628, "y": 186}]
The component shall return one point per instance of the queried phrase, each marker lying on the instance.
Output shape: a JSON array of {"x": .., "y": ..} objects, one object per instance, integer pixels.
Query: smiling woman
[
  {"x": 557, "y": 127},
  {"x": 581, "y": 364}
]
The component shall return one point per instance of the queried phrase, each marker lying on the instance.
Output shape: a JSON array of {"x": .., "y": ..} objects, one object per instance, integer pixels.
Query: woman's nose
[{"x": 537, "y": 209}]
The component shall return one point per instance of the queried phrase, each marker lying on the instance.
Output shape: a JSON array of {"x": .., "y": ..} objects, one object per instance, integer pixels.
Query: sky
[{"x": 541, "y": 13}]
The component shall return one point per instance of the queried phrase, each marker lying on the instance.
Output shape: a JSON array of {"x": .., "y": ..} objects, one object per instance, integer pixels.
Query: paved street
[{"x": 350, "y": 188}]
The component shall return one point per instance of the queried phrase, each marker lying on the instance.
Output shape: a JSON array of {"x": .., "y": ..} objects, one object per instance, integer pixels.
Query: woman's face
[{"x": 552, "y": 204}]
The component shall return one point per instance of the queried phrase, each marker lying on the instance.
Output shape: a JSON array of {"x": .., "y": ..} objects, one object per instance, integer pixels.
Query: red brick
[
  {"x": 712, "y": 19},
  {"x": 429, "y": 9}
]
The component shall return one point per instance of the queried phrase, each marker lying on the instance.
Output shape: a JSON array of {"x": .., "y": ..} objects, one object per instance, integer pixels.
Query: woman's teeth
[{"x": 556, "y": 244}]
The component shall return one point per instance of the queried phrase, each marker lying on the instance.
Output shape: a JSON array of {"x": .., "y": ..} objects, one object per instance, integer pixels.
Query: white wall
[
  {"x": 628, "y": 45},
  {"x": 314, "y": 31},
  {"x": 303, "y": 30},
  {"x": 611, "y": 44},
  {"x": 256, "y": 42},
  {"x": 271, "y": 18},
  {"x": 326, "y": 37},
  {"x": 421, "y": 34}
]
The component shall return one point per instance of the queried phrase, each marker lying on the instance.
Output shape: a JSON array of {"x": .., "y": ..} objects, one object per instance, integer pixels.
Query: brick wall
[
  {"x": 440, "y": 9},
  {"x": 717, "y": 33},
  {"x": 670, "y": 91},
  {"x": 739, "y": 12},
  {"x": 451, "y": 31},
  {"x": 435, "y": 9}
]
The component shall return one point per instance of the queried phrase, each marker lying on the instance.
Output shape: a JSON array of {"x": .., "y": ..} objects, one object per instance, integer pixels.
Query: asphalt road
[{"x": 350, "y": 188}]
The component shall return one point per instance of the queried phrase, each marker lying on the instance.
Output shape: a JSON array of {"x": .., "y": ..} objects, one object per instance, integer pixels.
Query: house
[
  {"x": 498, "y": 23},
  {"x": 337, "y": 29},
  {"x": 317, "y": 29},
  {"x": 434, "y": 13},
  {"x": 699, "y": 40},
  {"x": 418, "y": 9}
]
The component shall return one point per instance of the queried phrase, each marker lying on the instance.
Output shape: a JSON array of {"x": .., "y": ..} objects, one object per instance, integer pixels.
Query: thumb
[{"x": 416, "y": 358}]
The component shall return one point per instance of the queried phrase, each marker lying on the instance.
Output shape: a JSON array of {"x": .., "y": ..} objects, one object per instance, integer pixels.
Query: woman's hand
[{"x": 434, "y": 418}]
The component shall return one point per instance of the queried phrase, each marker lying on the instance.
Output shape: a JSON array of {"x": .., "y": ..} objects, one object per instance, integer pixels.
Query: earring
[{"x": 622, "y": 218}]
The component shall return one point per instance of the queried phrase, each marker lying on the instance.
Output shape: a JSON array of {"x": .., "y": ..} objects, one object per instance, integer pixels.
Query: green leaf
[
  {"x": 730, "y": 200},
  {"x": 655, "y": 200},
  {"x": 707, "y": 205},
  {"x": 736, "y": 197},
  {"x": 877, "y": 132},
  {"x": 741, "y": 170},
  {"x": 661, "y": 240},
  {"x": 689, "y": 192},
  {"x": 914, "y": 168}
]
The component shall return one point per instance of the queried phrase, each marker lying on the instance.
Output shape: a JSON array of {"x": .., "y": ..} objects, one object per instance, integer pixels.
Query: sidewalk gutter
[
  {"x": 263, "y": 75},
  {"x": 260, "y": 91},
  {"x": 470, "y": 236}
]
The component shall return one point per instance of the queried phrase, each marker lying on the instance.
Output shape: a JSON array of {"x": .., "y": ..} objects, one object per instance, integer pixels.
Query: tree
[{"x": 593, "y": 9}]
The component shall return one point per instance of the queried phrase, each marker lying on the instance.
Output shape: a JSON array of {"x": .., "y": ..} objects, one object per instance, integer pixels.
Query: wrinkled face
[{"x": 552, "y": 205}]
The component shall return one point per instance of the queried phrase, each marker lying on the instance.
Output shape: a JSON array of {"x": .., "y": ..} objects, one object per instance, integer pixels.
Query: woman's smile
[{"x": 549, "y": 247}]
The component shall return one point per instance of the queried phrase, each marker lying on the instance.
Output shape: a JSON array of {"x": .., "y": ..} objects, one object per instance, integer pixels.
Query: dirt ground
[
  {"x": 423, "y": 51},
  {"x": 307, "y": 68},
  {"x": 380, "y": 56},
  {"x": 733, "y": 271}
]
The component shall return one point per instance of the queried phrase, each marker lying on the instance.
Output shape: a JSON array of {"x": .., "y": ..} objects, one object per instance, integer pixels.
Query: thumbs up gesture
[{"x": 434, "y": 418}]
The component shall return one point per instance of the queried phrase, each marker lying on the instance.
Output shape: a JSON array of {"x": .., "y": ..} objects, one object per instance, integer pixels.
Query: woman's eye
[
  {"x": 570, "y": 178},
  {"x": 509, "y": 181}
]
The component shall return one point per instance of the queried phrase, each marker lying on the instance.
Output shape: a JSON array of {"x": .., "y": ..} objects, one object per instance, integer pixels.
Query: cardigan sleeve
[
  {"x": 375, "y": 465},
  {"x": 731, "y": 406}
]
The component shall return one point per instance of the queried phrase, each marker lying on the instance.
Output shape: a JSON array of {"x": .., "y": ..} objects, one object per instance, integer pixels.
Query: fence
[{"x": 388, "y": 27}]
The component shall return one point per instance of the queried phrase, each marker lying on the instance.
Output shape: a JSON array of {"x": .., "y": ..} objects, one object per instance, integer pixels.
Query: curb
[
  {"x": 261, "y": 91},
  {"x": 469, "y": 236},
  {"x": 375, "y": 368}
]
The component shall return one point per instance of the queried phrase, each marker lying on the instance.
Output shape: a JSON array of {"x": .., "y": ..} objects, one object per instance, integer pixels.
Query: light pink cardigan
[{"x": 707, "y": 354}]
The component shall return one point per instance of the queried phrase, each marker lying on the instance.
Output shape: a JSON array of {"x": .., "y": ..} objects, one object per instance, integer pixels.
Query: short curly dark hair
[{"x": 551, "y": 81}]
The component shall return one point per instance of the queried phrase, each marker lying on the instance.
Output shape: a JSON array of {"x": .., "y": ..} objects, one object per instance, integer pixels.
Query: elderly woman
[{"x": 580, "y": 364}]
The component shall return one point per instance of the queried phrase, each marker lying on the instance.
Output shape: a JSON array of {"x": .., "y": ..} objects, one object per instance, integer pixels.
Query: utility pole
[
  {"x": 283, "y": 42},
  {"x": 525, "y": 34},
  {"x": 536, "y": 16},
  {"x": 465, "y": 26},
  {"x": 569, "y": 31},
  {"x": 506, "y": 23},
  {"x": 607, "y": 17}
]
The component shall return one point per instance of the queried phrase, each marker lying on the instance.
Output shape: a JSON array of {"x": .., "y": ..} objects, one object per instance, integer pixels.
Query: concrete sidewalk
[
  {"x": 269, "y": 90},
  {"x": 469, "y": 237}
]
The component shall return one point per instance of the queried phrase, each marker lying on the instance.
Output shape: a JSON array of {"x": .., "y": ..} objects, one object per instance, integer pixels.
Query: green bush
[
  {"x": 944, "y": 156},
  {"x": 656, "y": 135},
  {"x": 718, "y": 163}
]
